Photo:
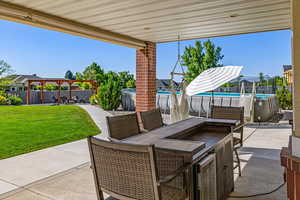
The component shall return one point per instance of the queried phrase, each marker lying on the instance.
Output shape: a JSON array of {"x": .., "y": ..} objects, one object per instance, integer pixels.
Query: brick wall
[
  {"x": 291, "y": 173},
  {"x": 146, "y": 77}
]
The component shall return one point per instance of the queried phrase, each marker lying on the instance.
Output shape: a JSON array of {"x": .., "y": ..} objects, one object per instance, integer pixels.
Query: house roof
[
  {"x": 250, "y": 79},
  {"x": 132, "y": 22},
  {"x": 165, "y": 83},
  {"x": 287, "y": 67},
  {"x": 21, "y": 79}
]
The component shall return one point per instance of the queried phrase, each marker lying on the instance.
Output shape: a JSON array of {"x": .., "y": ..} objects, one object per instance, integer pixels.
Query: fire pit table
[{"x": 205, "y": 143}]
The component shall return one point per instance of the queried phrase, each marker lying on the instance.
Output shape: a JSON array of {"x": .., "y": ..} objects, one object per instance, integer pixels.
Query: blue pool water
[
  {"x": 218, "y": 94},
  {"x": 222, "y": 94}
]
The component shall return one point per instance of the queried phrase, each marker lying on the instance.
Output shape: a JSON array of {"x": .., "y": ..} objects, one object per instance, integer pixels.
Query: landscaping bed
[{"x": 29, "y": 128}]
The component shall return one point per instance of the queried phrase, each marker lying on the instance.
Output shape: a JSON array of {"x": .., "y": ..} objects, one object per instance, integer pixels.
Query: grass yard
[{"x": 29, "y": 128}]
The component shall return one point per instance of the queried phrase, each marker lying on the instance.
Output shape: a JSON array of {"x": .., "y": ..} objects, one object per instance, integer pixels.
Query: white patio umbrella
[{"x": 213, "y": 78}]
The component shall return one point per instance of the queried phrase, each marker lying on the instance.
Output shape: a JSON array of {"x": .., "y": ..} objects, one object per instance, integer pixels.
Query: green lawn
[{"x": 29, "y": 128}]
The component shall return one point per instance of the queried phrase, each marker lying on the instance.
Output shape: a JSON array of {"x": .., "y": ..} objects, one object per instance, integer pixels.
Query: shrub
[
  {"x": 130, "y": 84},
  {"x": 94, "y": 99},
  {"x": 64, "y": 87},
  {"x": 50, "y": 87},
  {"x": 127, "y": 79},
  {"x": 85, "y": 86},
  {"x": 3, "y": 100},
  {"x": 285, "y": 98},
  {"x": 2, "y": 93},
  {"x": 109, "y": 92},
  {"x": 14, "y": 100}
]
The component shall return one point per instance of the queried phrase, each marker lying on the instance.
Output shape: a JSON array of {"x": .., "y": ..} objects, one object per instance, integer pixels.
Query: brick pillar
[
  {"x": 290, "y": 157},
  {"x": 146, "y": 78},
  {"x": 291, "y": 174}
]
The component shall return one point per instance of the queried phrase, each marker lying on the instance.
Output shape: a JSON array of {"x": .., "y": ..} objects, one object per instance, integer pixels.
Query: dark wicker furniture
[
  {"x": 194, "y": 139},
  {"x": 135, "y": 172},
  {"x": 232, "y": 113},
  {"x": 151, "y": 119},
  {"x": 122, "y": 126}
]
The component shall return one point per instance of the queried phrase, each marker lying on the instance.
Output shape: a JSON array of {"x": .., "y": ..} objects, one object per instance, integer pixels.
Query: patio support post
[
  {"x": 28, "y": 93},
  {"x": 146, "y": 77},
  {"x": 70, "y": 90},
  {"x": 290, "y": 157},
  {"x": 42, "y": 92},
  {"x": 58, "y": 94},
  {"x": 95, "y": 87},
  {"x": 296, "y": 75}
]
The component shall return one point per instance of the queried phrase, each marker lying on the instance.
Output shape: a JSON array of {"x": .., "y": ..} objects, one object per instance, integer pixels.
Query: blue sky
[{"x": 47, "y": 53}]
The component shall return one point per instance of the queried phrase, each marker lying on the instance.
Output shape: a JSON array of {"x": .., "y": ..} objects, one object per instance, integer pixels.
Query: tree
[
  {"x": 110, "y": 85},
  {"x": 261, "y": 78},
  {"x": 69, "y": 75},
  {"x": 4, "y": 83},
  {"x": 285, "y": 98},
  {"x": 110, "y": 91},
  {"x": 5, "y": 68},
  {"x": 78, "y": 76},
  {"x": 200, "y": 57},
  {"x": 280, "y": 81},
  {"x": 127, "y": 79},
  {"x": 130, "y": 84},
  {"x": 93, "y": 72}
]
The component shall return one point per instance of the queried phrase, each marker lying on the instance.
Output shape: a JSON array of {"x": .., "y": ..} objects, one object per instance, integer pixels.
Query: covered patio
[
  {"x": 260, "y": 167},
  {"x": 143, "y": 24}
]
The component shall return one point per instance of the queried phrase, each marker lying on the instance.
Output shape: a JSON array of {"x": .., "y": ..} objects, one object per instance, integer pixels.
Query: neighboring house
[
  {"x": 247, "y": 83},
  {"x": 19, "y": 82},
  {"x": 249, "y": 79},
  {"x": 288, "y": 74},
  {"x": 165, "y": 84}
]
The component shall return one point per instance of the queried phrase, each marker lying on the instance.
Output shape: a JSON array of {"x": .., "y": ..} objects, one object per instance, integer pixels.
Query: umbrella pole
[
  {"x": 212, "y": 103},
  {"x": 213, "y": 100}
]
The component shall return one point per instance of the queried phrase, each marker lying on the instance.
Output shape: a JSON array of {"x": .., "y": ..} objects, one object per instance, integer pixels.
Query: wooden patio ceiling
[{"x": 131, "y": 22}]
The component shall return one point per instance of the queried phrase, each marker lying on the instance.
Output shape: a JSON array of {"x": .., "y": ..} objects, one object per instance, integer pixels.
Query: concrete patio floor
[{"x": 260, "y": 160}]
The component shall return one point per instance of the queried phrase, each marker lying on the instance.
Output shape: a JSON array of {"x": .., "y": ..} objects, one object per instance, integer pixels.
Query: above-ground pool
[
  {"x": 215, "y": 94},
  {"x": 222, "y": 94},
  {"x": 265, "y": 105}
]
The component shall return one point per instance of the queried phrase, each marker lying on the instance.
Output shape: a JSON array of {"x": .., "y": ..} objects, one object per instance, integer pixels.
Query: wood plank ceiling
[{"x": 163, "y": 20}]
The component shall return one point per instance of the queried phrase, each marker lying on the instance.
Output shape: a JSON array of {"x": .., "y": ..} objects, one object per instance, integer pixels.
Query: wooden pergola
[{"x": 59, "y": 83}]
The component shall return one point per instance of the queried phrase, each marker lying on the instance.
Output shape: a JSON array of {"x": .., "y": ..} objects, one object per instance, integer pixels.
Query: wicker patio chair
[
  {"x": 122, "y": 126},
  {"x": 130, "y": 172},
  {"x": 232, "y": 113},
  {"x": 151, "y": 119}
]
